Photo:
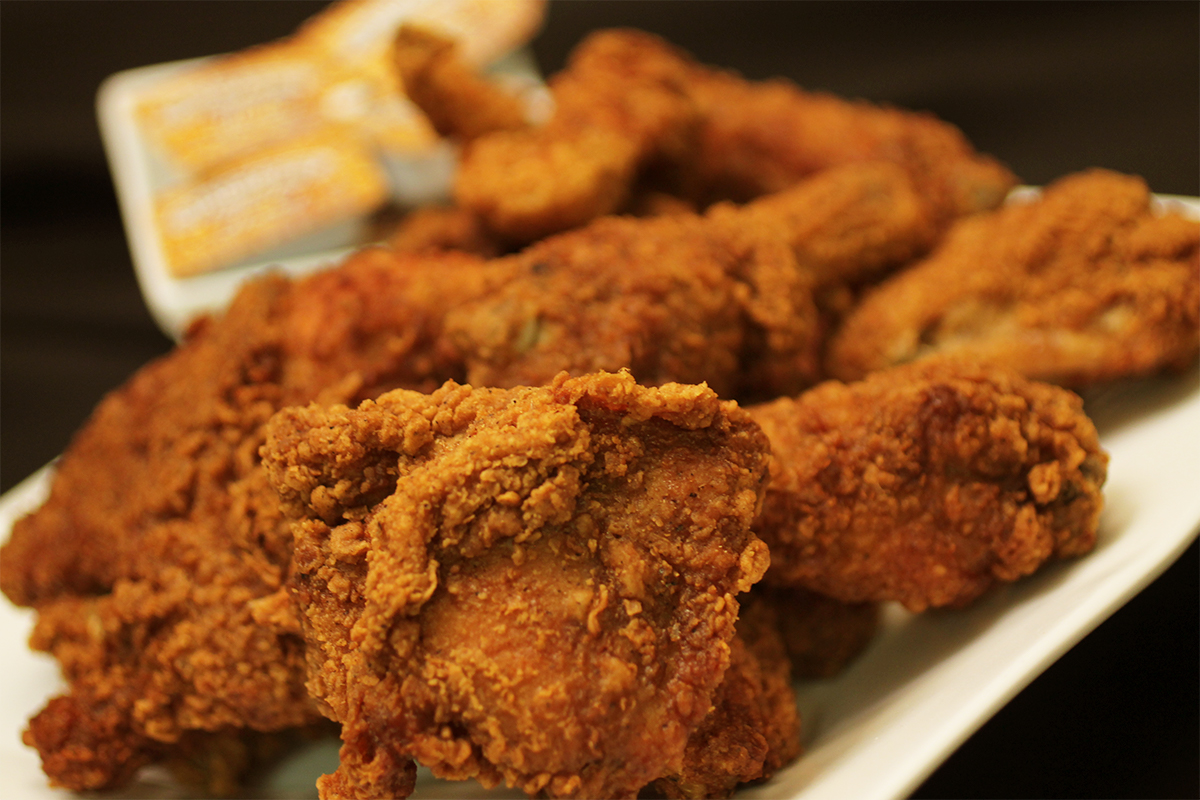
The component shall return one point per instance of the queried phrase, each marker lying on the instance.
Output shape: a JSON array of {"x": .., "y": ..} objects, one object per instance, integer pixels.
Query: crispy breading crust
[
  {"x": 753, "y": 729},
  {"x": 927, "y": 484},
  {"x": 1086, "y": 284},
  {"x": 536, "y": 586},
  {"x": 157, "y": 562}
]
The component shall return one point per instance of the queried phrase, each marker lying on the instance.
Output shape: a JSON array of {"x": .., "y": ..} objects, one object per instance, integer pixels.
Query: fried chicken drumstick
[
  {"x": 727, "y": 298},
  {"x": 927, "y": 484},
  {"x": 536, "y": 586}
]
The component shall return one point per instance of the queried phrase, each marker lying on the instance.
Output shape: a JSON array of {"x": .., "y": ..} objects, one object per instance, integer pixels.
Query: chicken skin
[
  {"x": 927, "y": 484},
  {"x": 1087, "y": 283},
  {"x": 535, "y": 586}
]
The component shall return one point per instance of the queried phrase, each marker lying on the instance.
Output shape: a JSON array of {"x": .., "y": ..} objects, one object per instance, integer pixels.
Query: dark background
[{"x": 1049, "y": 88}]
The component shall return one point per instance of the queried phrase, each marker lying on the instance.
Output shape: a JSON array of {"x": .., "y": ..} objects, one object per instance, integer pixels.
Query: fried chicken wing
[
  {"x": 157, "y": 564},
  {"x": 927, "y": 484},
  {"x": 631, "y": 107},
  {"x": 1087, "y": 283},
  {"x": 458, "y": 102},
  {"x": 535, "y": 586},
  {"x": 620, "y": 105}
]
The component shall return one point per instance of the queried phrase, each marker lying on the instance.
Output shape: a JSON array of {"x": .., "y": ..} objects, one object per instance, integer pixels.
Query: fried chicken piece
[
  {"x": 761, "y": 137},
  {"x": 658, "y": 296},
  {"x": 753, "y": 729},
  {"x": 157, "y": 564},
  {"x": 1087, "y": 283},
  {"x": 631, "y": 107},
  {"x": 620, "y": 106},
  {"x": 927, "y": 484},
  {"x": 847, "y": 226},
  {"x": 536, "y": 586},
  {"x": 458, "y": 102},
  {"x": 821, "y": 635},
  {"x": 161, "y": 525},
  {"x": 727, "y": 298}
]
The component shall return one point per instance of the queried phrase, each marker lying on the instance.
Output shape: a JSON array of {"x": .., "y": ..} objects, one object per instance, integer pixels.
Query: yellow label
[
  {"x": 265, "y": 200},
  {"x": 236, "y": 105}
]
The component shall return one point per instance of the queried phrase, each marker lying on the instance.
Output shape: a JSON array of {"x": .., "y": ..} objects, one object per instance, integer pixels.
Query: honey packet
[
  {"x": 325, "y": 99},
  {"x": 263, "y": 200},
  {"x": 236, "y": 105}
]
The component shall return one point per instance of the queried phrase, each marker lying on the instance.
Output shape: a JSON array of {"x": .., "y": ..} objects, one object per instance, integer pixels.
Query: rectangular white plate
[{"x": 924, "y": 685}]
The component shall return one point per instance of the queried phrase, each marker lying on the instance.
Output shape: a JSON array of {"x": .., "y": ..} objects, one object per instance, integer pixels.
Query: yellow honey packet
[
  {"x": 266, "y": 199},
  {"x": 236, "y": 104}
]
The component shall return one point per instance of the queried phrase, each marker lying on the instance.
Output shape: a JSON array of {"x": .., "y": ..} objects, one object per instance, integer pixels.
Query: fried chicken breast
[{"x": 536, "y": 586}]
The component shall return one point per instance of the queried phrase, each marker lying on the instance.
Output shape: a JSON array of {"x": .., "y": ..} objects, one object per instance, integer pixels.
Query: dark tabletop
[{"x": 1049, "y": 88}]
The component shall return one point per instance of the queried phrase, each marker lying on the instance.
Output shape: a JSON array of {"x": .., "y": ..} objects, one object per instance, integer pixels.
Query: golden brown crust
[
  {"x": 458, "y": 102},
  {"x": 630, "y": 106},
  {"x": 1085, "y": 284},
  {"x": 620, "y": 105},
  {"x": 753, "y": 729},
  {"x": 759, "y": 138},
  {"x": 927, "y": 484},
  {"x": 535, "y": 586},
  {"x": 655, "y": 295},
  {"x": 157, "y": 562},
  {"x": 727, "y": 298}
]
